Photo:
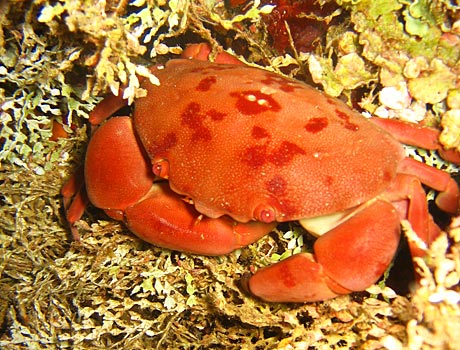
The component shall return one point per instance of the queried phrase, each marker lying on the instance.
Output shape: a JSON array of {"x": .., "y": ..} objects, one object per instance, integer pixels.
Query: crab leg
[
  {"x": 448, "y": 198},
  {"x": 74, "y": 196},
  {"x": 75, "y": 200},
  {"x": 348, "y": 258},
  {"x": 408, "y": 197},
  {"x": 416, "y": 135},
  {"x": 107, "y": 107}
]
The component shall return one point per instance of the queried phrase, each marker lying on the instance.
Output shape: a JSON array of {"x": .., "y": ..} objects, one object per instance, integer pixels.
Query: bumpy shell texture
[{"x": 253, "y": 145}]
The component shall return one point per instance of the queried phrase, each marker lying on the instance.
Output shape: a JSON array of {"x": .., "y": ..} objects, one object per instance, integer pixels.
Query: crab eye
[
  {"x": 264, "y": 214},
  {"x": 161, "y": 168}
]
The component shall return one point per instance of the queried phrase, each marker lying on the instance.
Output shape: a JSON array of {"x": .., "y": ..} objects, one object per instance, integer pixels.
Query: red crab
[{"x": 242, "y": 149}]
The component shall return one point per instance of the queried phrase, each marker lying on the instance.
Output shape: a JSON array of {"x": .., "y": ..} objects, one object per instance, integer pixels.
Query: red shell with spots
[{"x": 249, "y": 143}]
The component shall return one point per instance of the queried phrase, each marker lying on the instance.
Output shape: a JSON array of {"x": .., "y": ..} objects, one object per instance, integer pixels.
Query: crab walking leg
[
  {"x": 74, "y": 196},
  {"x": 350, "y": 257},
  {"x": 408, "y": 196},
  {"x": 448, "y": 198},
  {"x": 416, "y": 135},
  {"x": 75, "y": 200},
  {"x": 107, "y": 107}
]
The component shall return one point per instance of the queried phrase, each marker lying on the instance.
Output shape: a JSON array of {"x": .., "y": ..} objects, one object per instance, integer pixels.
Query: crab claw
[
  {"x": 350, "y": 257},
  {"x": 117, "y": 171},
  {"x": 165, "y": 220},
  {"x": 119, "y": 180}
]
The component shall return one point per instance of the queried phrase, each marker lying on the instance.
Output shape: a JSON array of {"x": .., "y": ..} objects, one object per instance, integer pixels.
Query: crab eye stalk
[
  {"x": 161, "y": 168},
  {"x": 264, "y": 214}
]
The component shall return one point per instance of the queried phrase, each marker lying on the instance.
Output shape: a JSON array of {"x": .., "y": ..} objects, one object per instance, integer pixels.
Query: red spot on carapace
[
  {"x": 285, "y": 153},
  {"x": 216, "y": 115},
  {"x": 252, "y": 102},
  {"x": 346, "y": 120},
  {"x": 191, "y": 115},
  {"x": 259, "y": 133},
  {"x": 206, "y": 83},
  {"x": 193, "y": 118},
  {"x": 351, "y": 126},
  {"x": 315, "y": 125},
  {"x": 162, "y": 148},
  {"x": 277, "y": 186},
  {"x": 329, "y": 180},
  {"x": 255, "y": 156}
]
